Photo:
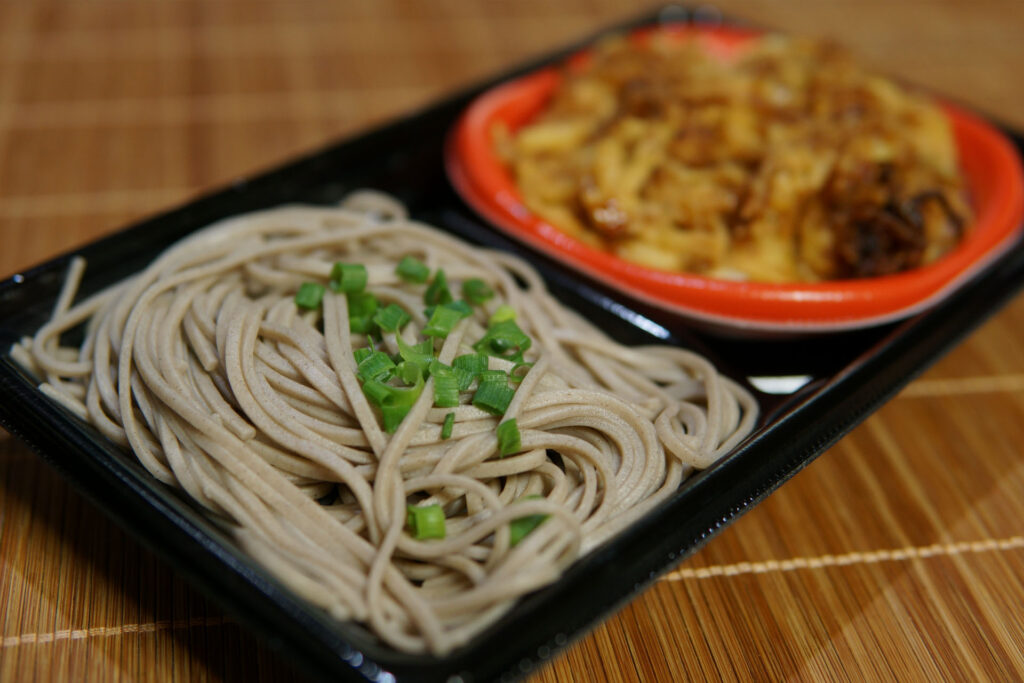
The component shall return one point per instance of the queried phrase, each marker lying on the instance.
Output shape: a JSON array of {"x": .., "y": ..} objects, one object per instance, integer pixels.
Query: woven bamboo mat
[{"x": 897, "y": 555}]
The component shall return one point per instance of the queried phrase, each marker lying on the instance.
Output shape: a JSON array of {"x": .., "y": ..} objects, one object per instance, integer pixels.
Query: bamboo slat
[{"x": 899, "y": 554}]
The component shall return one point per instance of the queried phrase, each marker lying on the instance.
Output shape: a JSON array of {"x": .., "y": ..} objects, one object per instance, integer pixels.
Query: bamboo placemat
[{"x": 899, "y": 554}]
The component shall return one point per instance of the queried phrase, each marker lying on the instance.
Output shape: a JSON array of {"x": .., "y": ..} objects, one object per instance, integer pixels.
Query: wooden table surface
[{"x": 897, "y": 555}]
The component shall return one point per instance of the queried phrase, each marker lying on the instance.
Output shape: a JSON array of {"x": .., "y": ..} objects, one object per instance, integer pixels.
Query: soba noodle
[{"x": 205, "y": 366}]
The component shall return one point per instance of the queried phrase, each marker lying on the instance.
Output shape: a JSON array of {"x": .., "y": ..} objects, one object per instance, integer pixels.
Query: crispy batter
[{"x": 787, "y": 162}]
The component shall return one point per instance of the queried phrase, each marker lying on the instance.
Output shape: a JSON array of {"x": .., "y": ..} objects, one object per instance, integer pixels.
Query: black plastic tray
[{"x": 852, "y": 373}]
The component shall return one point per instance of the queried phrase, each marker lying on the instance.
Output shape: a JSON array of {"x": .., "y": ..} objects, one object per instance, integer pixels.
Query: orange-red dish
[{"x": 991, "y": 166}]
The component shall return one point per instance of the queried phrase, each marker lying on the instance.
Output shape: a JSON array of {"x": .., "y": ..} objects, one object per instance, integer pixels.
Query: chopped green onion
[
  {"x": 437, "y": 291},
  {"x": 476, "y": 291},
  {"x": 393, "y": 416},
  {"x": 360, "y": 325},
  {"x": 361, "y": 308},
  {"x": 425, "y": 521},
  {"x": 509, "y": 441},
  {"x": 441, "y": 322},
  {"x": 504, "y": 312},
  {"x": 395, "y": 396},
  {"x": 411, "y": 269},
  {"x": 493, "y": 377},
  {"x": 361, "y": 304},
  {"x": 309, "y": 296},
  {"x": 376, "y": 391},
  {"x": 348, "y": 277},
  {"x": 464, "y": 378},
  {"x": 391, "y": 318},
  {"x": 394, "y": 402},
  {"x": 474, "y": 362},
  {"x": 375, "y": 366},
  {"x": 521, "y": 527},
  {"x": 504, "y": 339},
  {"x": 408, "y": 395},
  {"x": 493, "y": 393},
  {"x": 461, "y": 306},
  {"x": 409, "y": 372},
  {"x": 449, "y": 423},
  {"x": 468, "y": 367},
  {"x": 422, "y": 354},
  {"x": 446, "y": 386},
  {"x": 362, "y": 354},
  {"x": 464, "y": 309}
]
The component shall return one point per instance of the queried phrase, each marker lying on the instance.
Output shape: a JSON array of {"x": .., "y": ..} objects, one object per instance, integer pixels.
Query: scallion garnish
[
  {"x": 437, "y": 291},
  {"x": 422, "y": 354},
  {"x": 391, "y": 318},
  {"x": 348, "y": 277},
  {"x": 409, "y": 372},
  {"x": 461, "y": 306},
  {"x": 509, "y": 441},
  {"x": 449, "y": 424},
  {"x": 493, "y": 377},
  {"x": 425, "y": 521},
  {"x": 360, "y": 325},
  {"x": 467, "y": 367},
  {"x": 476, "y": 291},
  {"x": 361, "y": 308},
  {"x": 310, "y": 295},
  {"x": 441, "y": 322},
  {"x": 411, "y": 269},
  {"x": 393, "y": 416},
  {"x": 394, "y": 402},
  {"x": 376, "y": 366},
  {"x": 361, "y": 354},
  {"x": 493, "y": 394},
  {"x": 362, "y": 304},
  {"x": 521, "y": 527},
  {"x": 504, "y": 339},
  {"x": 464, "y": 309},
  {"x": 376, "y": 391},
  {"x": 504, "y": 312},
  {"x": 446, "y": 386}
]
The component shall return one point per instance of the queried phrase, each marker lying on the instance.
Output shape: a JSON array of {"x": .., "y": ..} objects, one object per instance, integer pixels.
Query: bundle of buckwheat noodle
[{"x": 258, "y": 407}]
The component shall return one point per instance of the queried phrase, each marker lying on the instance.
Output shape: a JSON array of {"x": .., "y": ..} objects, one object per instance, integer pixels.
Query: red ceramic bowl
[{"x": 990, "y": 164}]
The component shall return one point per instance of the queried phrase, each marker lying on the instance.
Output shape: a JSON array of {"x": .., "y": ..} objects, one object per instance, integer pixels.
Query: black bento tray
[{"x": 851, "y": 374}]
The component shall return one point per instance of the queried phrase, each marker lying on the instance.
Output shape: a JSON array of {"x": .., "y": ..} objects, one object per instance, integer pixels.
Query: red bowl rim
[{"x": 991, "y": 165}]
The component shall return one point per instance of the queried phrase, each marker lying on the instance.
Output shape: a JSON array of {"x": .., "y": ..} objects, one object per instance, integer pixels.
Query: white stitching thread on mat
[
  {"x": 869, "y": 557},
  {"x": 963, "y": 385},
  {"x": 898, "y": 554},
  {"x": 107, "y": 631}
]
